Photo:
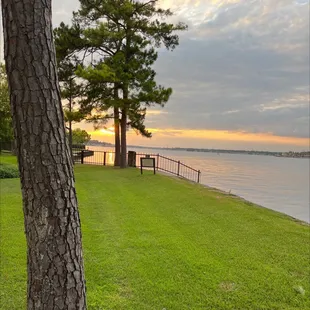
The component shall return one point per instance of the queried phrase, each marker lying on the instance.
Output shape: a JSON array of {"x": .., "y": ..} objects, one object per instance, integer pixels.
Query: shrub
[{"x": 8, "y": 171}]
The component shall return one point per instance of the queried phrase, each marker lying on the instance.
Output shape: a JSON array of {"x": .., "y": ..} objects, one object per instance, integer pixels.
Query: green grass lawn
[
  {"x": 7, "y": 158},
  {"x": 155, "y": 242},
  {"x": 8, "y": 166}
]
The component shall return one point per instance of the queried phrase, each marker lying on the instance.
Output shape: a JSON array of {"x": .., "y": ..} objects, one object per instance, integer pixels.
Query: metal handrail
[
  {"x": 178, "y": 169},
  {"x": 163, "y": 163}
]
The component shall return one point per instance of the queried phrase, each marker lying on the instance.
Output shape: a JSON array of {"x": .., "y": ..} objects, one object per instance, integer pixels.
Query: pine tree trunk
[
  {"x": 70, "y": 141},
  {"x": 70, "y": 127},
  {"x": 117, "y": 159},
  {"x": 124, "y": 138},
  {"x": 52, "y": 223}
]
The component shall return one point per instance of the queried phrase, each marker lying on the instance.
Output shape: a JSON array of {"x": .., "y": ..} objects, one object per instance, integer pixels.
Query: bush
[{"x": 8, "y": 171}]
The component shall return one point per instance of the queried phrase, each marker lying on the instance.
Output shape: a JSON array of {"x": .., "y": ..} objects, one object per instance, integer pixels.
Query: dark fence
[
  {"x": 163, "y": 163},
  {"x": 172, "y": 166},
  {"x": 106, "y": 158},
  {"x": 7, "y": 146}
]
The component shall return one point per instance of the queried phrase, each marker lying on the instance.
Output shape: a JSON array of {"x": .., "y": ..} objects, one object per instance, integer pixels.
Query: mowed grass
[
  {"x": 155, "y": 242},
  {"x": 7, "y": 158}
]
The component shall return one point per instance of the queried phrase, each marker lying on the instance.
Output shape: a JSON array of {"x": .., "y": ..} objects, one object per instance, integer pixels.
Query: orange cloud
[
  {"x": 156, "y": 112},
  {"x": 222, "y": 135},
  {"x": 215, "y": 135}
]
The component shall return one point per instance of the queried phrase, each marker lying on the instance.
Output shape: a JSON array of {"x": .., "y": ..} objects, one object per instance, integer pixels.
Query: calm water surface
[{"x": 281, "y": 184}]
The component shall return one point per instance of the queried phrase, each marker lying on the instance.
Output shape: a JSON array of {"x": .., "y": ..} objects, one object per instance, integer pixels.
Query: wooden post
[
  {"x": 198, "y": 176},
  {"x": 132, "y": 158},
  {"x": 82, "y": 157},
  {"x": 104, "y": 158},
  {"x": 141, "y": 166},
  {"x": 157, "y": 162},
  {"x": 178, "y": 168}
]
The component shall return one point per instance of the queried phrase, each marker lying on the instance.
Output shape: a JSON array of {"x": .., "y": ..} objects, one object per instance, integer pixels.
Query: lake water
[{"x": 281, "y": 184}]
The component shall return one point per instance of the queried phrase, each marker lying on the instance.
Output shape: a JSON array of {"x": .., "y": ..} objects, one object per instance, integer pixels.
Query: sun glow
[
  {"x": 166, "y": 136},
  {"x": 222, "y": 135}
]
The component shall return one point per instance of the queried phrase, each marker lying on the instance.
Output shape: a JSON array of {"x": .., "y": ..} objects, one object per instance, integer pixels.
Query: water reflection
[{"x": 101, "y": 156}]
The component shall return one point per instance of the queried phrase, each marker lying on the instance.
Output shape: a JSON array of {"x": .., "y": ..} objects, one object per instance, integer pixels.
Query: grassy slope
[
  {"x": 6, "y": 158},
  {"x": 154, "y": 242}
]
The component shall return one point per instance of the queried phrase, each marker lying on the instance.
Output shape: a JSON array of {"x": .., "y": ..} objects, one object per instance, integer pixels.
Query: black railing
[
  {"x": 163, "y": 163},
  {"x": 172, "y": 166},
  {"x": 7, "y": 146}
]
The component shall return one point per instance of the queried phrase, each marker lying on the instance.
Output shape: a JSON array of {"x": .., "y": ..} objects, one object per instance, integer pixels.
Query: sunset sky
[{"x": 240, "y": 76}]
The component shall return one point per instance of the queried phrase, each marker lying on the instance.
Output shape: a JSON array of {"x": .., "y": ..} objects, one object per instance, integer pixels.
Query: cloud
[
  {"x": 230, "y": 135},
  {"x": 155, "y": 112},
  {"x": 62, "y": 10},
  {"x": 243, "y": 66},
  {"x": 173, "y": 137}
]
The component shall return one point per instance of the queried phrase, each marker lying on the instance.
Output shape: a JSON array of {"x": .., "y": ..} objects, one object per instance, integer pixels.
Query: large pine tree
[
  {"x": 124, "y": 35},
  {"x": 52, "y": 223}
]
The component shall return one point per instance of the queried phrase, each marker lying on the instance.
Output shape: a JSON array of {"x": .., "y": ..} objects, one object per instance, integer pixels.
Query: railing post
[
  {"x": 132, "y": 158},
  {"x": 157, "y": 162},
  {"x": 82, "y": 157},
  {"x": 198, "y": 176},
  {"x": 104, "y": 158},
  {"x": 178, "y": 168}
]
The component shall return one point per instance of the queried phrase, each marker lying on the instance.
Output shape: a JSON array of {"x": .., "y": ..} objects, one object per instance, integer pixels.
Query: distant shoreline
[{"x": 305, "y": 154}]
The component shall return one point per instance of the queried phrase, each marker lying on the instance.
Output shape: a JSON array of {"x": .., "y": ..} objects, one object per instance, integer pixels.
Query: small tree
[
  {"x": 70, "y": 44},
  {"x": 80, "y": 136},
  {"x": 70, "y": 90}
]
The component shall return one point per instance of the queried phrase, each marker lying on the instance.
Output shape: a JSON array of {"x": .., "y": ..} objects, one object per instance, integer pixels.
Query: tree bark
[
  {"x": 70, "y": 141},
  {"x": 124, "y": 128},
  {"x": 117, "y": 159},
  {"x": 124, "y": 138},
  {"x": 51, "y": 217},
  {"x": 70, "y": 126},
  {"x": 125, "y": 103}
]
